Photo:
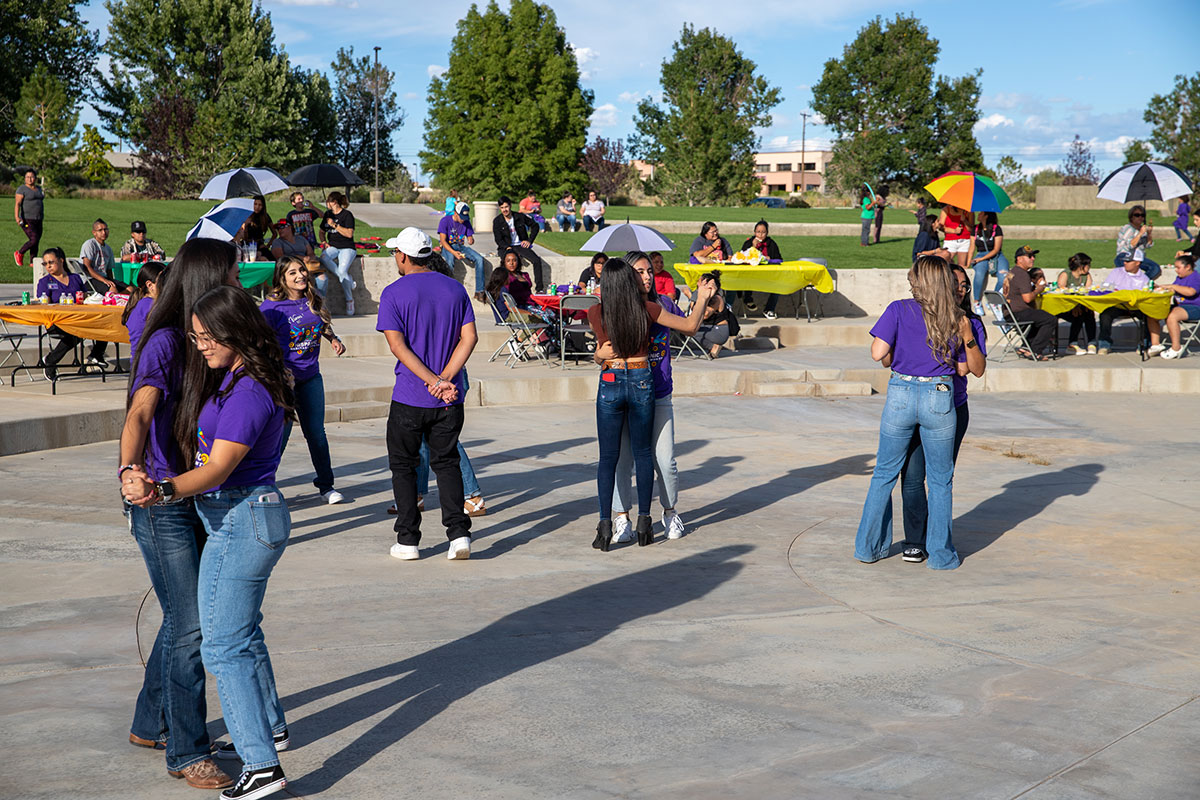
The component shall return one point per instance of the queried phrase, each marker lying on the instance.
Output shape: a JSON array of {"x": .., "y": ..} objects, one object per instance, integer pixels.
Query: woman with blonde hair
[
  {"x": 926, "y": 340},
  {"x": 300, "y": 320}
]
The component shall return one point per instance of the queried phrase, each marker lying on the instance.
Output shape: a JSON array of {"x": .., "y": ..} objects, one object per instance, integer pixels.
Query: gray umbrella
[{"x": 628, "y": 237}]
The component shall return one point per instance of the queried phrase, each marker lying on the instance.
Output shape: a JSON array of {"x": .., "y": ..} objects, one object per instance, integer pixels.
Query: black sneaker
[
  {"x": 227, "y": 750},
  {"x": 914, "y": 554},
  {"x": 255, "y": 784}
]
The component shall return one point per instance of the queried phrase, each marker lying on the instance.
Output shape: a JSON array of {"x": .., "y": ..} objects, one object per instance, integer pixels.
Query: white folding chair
[{"x": 1193, "y": 334}]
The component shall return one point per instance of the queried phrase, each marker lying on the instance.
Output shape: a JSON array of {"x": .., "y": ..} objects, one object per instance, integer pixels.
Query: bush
[
  {"x": 797, "y": 202},
  {"x": 360, "y": 194}
]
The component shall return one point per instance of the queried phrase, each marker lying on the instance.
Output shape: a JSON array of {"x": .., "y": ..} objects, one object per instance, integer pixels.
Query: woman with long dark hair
[
  {"x": 171, "y": 709},
  {"x": 764, "y": 244},
  {"x": 622, "y": 322},
  {"x": 337, "y": 234},
  {"x": 300, "y": 319},
  {"x": 1078, "y": 275},
  {"x": 986, "y": 255},
  {"x": 255, "y": 229},
  {"x": 512, "y": 278},
  {"x": 912, "y": 474},
  {"x": 140, "y": 300},
  {"x": 926, "y": 340},
  {"x": 234, "y": 450}
]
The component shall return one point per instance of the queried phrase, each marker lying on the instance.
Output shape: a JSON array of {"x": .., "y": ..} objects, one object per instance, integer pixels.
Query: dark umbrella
[
  {"x": 324, "y": 175},
  {"x": 1144, "y": 180}
]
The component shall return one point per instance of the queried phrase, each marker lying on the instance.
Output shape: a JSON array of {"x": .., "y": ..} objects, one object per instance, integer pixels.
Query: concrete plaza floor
[{"x": 754, "y": 658}]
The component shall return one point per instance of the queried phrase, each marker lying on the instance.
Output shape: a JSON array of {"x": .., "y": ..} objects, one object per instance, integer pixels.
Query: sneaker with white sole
[
  {"x": 460, "y": 549},
  {"x": 1079, "y": 351},
  {"x": 1169, "y": 353},
  {"x": 332, "y": 497},
  {"x": 1155, "y": 349},
  {"x": 405, "y": 552},
  {"x": 349, "y": 308},
  {"x": 281, "y": 741},
  {"x": 673, "y": 525},
  {"x": 1091, "y": 349},
  {"x": 769, "y": 314},
  {"x": 978, "y": 309},
  {"x": 913, "y": 555},
  {"x": 256, "y": 783},
  {"x": 622, "y": 530}
]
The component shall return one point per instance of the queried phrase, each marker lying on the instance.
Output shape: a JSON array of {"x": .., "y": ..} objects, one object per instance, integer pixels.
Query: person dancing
[
  {"x": 926, "y": 341},
  {"x": 622, "y": 322},
  {"x": 236, "y": 427}
]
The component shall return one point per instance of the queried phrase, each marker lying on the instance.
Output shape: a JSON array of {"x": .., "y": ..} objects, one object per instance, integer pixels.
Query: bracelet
[{"x": 121, "y": 469}]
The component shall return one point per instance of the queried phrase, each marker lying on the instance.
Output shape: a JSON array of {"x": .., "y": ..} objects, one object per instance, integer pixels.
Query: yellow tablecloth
[
  {"x": 785, "y": 278},
  {"x": 1155, "y": 305},
  {"x": 87, "y": 322}
]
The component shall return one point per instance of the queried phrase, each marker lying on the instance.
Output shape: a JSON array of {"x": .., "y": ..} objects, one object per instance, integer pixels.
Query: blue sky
[{"x": 1051, "y": 69}]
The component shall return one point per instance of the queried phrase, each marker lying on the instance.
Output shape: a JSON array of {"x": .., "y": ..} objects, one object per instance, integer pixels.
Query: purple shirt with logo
[
  {"x": 456, "y": 232},
  {"x": 429, "y": 310},
  {"x": 960, "y": 381},
  {"x": 660, "y": 351},
  {"x": 903, "y": 327},
  {"x": 136, "y": 324},
  {"x": 161, "y": 366},
  {"x": 51, "y": 287},
  {"x": 245, "y": 415},
  {"x": 299, "y": 332}
]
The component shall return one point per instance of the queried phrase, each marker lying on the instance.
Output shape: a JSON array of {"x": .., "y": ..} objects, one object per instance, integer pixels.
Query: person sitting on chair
[
  {"x": 1022, "y": 294},
  {"x": 517, "y": 231},
  {"x": 512, "y": 278},
  {"x": 55, "y": 284},
  {"x": 1129, "y": 274},
  {"x": 593, "y": 271},
  {"x": 98, "y": 261},
  {"x": 139, "y": 244}
]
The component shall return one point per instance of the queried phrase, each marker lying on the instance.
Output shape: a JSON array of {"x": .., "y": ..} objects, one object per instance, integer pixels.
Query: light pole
[
  {"x": 376, "y": 93},
  {"x": 803, "y": 131}
]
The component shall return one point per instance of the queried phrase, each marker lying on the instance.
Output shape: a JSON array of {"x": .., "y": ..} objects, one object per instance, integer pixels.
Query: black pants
[
  {"x": 1085, "y": 322},
  {"x": 66, "y": 343},
  {"x": 1109, "y": 315},
  {"x": 1041, "y": 334},
  {"x": 535, "y": 262},
  {"x": 878, "y": 223},
  {"x": 406, "y": 426},
  {"x": 33, "y": 232}
]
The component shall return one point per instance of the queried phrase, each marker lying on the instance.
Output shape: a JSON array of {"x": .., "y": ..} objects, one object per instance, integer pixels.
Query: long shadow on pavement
[
  {"x": 415, "y": 690},
  {"x": 1021, "y": 500}
]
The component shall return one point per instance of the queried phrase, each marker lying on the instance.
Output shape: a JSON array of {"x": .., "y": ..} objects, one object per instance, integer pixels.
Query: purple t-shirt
[
  {"x": 429, "y": 310},
  {"x": 50, "y": 286},
  {"x": 960, "y": 381},
  {"x": 299, "y": 332},
  {"x": 161, "y": 366},
  {"x": 1193, "y": 281},
  {"x": 455, "y": 232},
  {"x": 246, "y": 415},
  {"x": 903, "y": 327},
  {"x": 660, "y": 351},
  {"x": 136, "y": 324}
]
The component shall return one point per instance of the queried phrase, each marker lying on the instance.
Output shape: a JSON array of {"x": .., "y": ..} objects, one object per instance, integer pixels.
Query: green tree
[
  {"x": 703, "y": 140},
  {"x": 1137, "y": 150},
  {"x": 92, "y": 163},
  {"x": 1079, "y": 167},
  {"x": 1175, "y": 121},
  {"x": 42, "y": 32},
  {"x": 508, "y": 114},
  {"x": 606, "y": 166},
  {"x": 45, "y": 119},
  {"x": 894, "y": 121},
  {"x": 356, "y": 81},
  {"x": 251, "y": 106},
  {"x": 1008, "y": 172}
]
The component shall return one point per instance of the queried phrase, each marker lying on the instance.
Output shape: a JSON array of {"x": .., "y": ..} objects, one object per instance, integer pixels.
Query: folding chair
[
  {"x": 14, "y": 340},
  {"x": 1193, "y": 334},
  {"x": 1014, "y": 330},
  {"x": 684, "y": 344},
  {"x": 522, "y": 338},
  {"x": 574, "y": 302}
]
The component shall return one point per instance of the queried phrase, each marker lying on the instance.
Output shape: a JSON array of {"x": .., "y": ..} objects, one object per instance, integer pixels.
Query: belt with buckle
[
  {"x": 920, "y": 378},
  {"x": 620, "y": 363}
]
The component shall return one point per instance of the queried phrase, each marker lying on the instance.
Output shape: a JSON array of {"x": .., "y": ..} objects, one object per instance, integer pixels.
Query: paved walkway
[{"x": 752, "y": 659}]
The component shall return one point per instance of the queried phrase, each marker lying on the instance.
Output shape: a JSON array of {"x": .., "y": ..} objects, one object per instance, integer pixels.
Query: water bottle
[{"x": 591, "y": 287}]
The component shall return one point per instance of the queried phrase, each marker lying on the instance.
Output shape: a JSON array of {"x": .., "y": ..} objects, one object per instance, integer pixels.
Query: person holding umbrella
[
  {"x": 337, "y": 234},
  {"x": 1134, "y": 239}
]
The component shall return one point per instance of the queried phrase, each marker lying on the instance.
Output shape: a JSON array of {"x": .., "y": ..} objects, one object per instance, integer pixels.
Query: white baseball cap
[
  {"x": 463, "y": 209},
  {"x": 411, "y": 242}
]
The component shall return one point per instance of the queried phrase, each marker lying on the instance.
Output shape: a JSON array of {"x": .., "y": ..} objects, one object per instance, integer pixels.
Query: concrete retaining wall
[{"x": 1084, "y": 198}]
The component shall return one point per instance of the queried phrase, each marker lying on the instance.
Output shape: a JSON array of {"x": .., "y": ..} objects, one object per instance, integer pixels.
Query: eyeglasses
[{"x": 201, "y": 339}]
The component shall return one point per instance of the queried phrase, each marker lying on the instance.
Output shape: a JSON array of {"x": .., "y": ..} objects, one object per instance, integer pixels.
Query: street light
[{"x": 376, "y": 93}]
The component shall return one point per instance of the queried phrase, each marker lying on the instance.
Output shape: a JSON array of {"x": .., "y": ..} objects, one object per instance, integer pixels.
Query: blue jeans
[
  {"x": 171, "y": 705},
  {"x": 912, "y": 481},
  {"x": 912, "y": 406},
  {"x": 477, "y": 261},
  {"x": 588, "y": 223},
  {"x": 338, "y": 261},
  {"x": 310, "y": 410},
  {"x": 470, "y": 482},
  {"x": 997, "y": 266},
  {"x": 625, "y": 397},
  {"x": 664, "y": 459},
  {"x": 566, "y": 222},
  {"x": 248, "y": 528}
]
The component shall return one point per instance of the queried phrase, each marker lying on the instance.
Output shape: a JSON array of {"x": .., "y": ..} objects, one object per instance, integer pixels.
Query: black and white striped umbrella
[
  {"x": 244, "y": 182},
  {"x": 1144, "y": 180}
]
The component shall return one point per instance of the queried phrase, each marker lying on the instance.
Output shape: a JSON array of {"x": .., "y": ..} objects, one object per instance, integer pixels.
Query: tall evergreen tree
[
  {"x": 1079, "y": 167},
  {"x": 508, "y": 114},
  {"x": 894, "y": 121},
  {"x": 45, "y": 120},
  {"x": 356, "y": 81},
  {"x": 703, "y": 141}
]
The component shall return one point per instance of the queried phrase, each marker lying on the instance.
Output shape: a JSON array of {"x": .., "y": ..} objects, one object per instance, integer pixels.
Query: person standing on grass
[
  {"x": 29, "y": 209},
  {"x": 880, "y": 204},
  {"x": 299, "y": 318},
  {"x": 430, "y": 328},
  {"x": 1182, "y": 212},
  {"x": 956, "y": 225},
  {"x": 869, "y": 204}
]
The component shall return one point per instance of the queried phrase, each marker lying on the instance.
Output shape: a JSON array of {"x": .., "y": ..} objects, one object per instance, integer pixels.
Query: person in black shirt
[
  {"x": 592, "y": 273},
  {"x": 763, "y": 243},
  {"x": 337, "y": 234},
  {"x": 517, "y": 230}
]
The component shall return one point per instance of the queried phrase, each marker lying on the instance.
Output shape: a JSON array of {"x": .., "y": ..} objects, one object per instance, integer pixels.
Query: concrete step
[
  {"x": 753, "y": 343},
  {"x": 843, "y": 389},
  {"x": 348, "y": 412},
  {"x": 785, "y": 389}
]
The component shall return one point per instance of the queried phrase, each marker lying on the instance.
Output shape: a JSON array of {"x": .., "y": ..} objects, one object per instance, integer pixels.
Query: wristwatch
[
  {"x": 166, "y": 490},
  {"x": 970, "y": 343}
]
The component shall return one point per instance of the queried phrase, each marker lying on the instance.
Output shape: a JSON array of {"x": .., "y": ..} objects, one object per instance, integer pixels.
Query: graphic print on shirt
[
  {"x": 202, "y": 448},
  {"x": 302, "y": 338},
  {"x": 660, "y": 344}
]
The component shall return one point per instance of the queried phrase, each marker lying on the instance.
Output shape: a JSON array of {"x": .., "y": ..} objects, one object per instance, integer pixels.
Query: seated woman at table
[
  {"x": 719, "y": 321},
  {"x": 57, "y": 283},
  {"x": 710, "y": 247},
  {"x": 140, "y": 300},
  {"x": 513, "y": 279},
  {"x": 763, "y": 243},
  {"x": 255, "y": 229},
  {"x": 288, "y": 244},
  {"x": 592, "y": 273},
  {"x": 1078, "y": 275},
  {"x": 1186, "y": 289}
]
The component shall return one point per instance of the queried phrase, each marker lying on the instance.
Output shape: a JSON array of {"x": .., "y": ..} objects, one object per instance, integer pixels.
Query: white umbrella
[
  {"x": 1144, "y": 180},
  {"x": 243, "y": 183},
  {"x": 628, "y": 237},
  {"x": 223, "y": 221}
]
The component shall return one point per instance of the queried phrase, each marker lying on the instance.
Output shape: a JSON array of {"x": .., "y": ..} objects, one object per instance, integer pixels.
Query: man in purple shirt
[
  {"x": 457, "y": 236},
  {"x": 430, "y": 328}
]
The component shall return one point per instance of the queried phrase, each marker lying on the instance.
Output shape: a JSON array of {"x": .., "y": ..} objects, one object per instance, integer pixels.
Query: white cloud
[
  {"x": 411, "y": 96},
  {"x": 584, "y": 56},
  {"x": 605, "y": 116},
  {"x": 993, "y": 121},
  {"x": 631, "y": 98},
  {"x": 434, "y": 71}
]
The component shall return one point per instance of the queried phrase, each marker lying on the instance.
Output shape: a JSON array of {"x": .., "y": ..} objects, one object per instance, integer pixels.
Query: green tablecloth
[{"x": 250, "y": 273}]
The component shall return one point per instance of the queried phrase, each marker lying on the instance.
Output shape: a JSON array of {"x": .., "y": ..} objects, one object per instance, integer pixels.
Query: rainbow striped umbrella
[{"x": 969, "y": 191}]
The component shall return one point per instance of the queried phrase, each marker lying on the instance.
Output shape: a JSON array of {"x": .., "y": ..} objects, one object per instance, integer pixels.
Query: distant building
[
  {"x": 645, "y": 169},
  {"x": 784, "y": 172}
]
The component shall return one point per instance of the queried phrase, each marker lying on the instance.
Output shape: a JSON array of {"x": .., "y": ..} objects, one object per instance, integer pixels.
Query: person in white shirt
[{"x": 593, "y": 213}]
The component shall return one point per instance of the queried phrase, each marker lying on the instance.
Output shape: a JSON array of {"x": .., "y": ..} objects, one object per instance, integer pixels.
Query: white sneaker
[
  {"x": 978, "y": 309},
  {"x": 674, "y": 525},
  {"x": 332, "y": 497},
  {"x": 350, "y": 308},
  {"x": 460, "y": 549},
  {"x": 1155, "y": 349},
  {"x": 1169, "y": 353},
  {"x": 405, "y": 552},
  {"x": 622, "y": 530}
]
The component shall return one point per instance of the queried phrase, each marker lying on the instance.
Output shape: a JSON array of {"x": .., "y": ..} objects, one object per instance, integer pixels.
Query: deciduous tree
[
  {"x": 45, "y": 120},
  {"x": 1079, "y": 167},
  {"x": 703, "y": 138},
  {"x": 606, "y": 166},
  {"x": 92, "y": 162},
  {"x": 1175, "y": 121},
  {"x": 1137, "y": 150}
]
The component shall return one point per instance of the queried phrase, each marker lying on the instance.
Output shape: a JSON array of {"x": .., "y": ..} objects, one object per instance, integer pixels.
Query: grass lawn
[{"x": 69, "y": 225}]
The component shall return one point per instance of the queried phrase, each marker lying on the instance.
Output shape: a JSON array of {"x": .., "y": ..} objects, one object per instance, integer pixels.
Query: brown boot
[
  {"x": 203, "y": 775},
  {"x": 148, "y": 743}
]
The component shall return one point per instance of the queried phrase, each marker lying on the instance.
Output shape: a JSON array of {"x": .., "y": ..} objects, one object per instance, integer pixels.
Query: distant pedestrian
[
  {"x": 867, "y": 215},
  {"x": 29, "y": 210},
  {"x": 1182, "y": 211},
  {"x": 881, "y": 204}
]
